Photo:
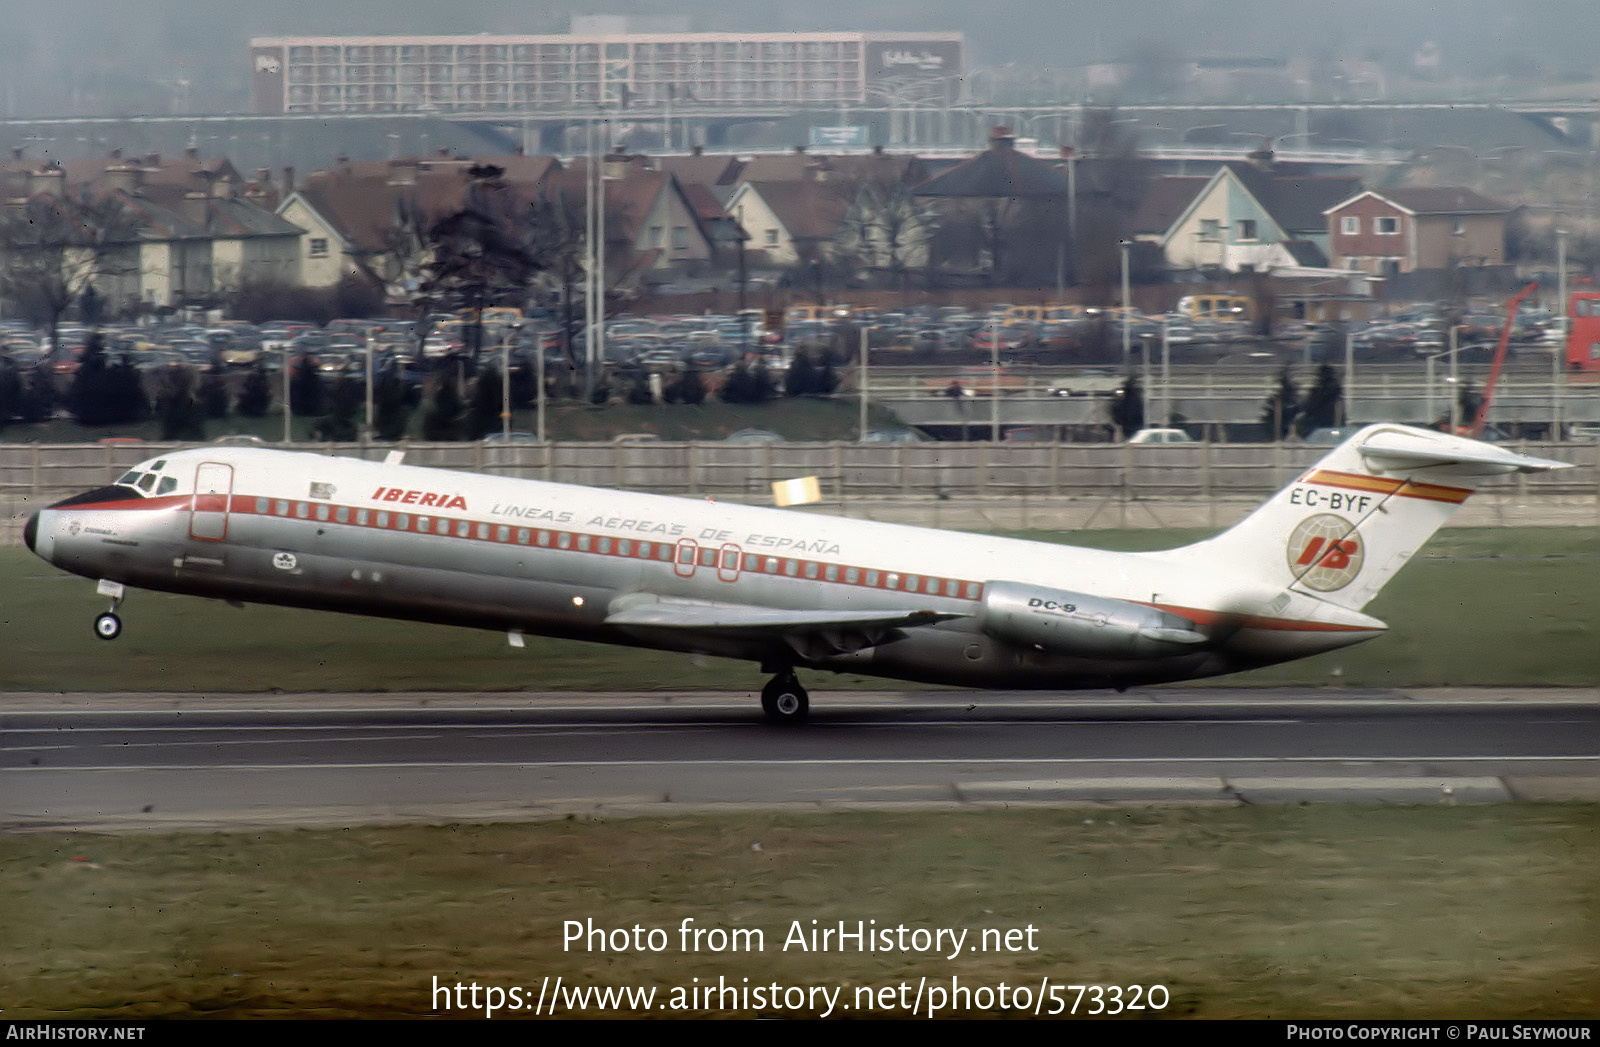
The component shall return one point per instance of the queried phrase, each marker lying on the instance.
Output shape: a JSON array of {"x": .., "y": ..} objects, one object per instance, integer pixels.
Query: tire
[
  {"x": 108, "y": 626},
  {"x": 784, "y": 701}
]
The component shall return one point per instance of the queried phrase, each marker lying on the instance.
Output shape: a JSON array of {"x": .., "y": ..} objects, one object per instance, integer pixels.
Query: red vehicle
[{"x": 1583, "y": 332}]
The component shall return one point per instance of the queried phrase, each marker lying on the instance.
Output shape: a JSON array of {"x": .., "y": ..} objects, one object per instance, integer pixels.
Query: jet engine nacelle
[{"x": 1065, "y": 622}]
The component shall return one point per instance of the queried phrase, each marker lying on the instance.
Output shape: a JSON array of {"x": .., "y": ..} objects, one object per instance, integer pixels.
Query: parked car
[
  {"x": 1161, "y": 436},
  {"x": 1331, "y": 435},
  {"x": 753, "y": 436}
]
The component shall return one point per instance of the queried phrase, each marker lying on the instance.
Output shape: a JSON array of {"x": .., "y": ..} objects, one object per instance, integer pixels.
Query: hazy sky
[{"x": 71, "y": 49}]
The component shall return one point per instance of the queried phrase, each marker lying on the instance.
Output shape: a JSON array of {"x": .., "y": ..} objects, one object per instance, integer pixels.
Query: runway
[{"x": 155, "y": 762}]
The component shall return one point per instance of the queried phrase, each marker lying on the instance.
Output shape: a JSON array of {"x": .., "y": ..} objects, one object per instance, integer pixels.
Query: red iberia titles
[{"x": 438, "y": 501}]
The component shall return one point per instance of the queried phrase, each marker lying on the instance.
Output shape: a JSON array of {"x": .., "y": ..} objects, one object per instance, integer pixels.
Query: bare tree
[
  {"x": 53, "y": 250},
  {"x": 886, "y": 228},
  {"x": 1110, "y": 184},
  {"x": 481, "y": 254}
]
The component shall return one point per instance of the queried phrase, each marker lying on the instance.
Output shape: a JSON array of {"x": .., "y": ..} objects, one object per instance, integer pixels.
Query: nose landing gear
[
  {"x": 784, "y": 701},
  {"x": 108, "y": 626}
]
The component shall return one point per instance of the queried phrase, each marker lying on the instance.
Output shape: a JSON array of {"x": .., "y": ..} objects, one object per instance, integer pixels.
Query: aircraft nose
[{"x": 30, "y": 531}]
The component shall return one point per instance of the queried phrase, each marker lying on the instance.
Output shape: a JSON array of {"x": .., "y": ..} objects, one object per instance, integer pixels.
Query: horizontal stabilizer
[
  {"x": 1399, "y": 449},
  {"x": 669, "y": 613}
]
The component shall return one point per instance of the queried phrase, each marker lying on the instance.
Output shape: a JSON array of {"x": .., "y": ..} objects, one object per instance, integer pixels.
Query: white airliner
[{"x": 784, "y": 588}]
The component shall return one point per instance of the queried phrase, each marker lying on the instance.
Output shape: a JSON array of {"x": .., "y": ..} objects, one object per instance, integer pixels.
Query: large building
[{"x": 478, "y": 74}]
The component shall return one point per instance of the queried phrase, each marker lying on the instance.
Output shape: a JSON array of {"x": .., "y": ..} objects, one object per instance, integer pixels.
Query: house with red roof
[
  {"x": 373, "y": 218},
  {"x": 1383, "y": 232}
]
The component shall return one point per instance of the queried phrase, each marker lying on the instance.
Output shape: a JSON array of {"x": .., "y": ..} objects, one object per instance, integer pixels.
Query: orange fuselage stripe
[
  {"x": 550, "y": 540},
  {"x": 1384, "y": 485}
]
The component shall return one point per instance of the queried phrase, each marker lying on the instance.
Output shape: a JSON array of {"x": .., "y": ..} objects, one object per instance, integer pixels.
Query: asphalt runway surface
[{"x": 167, "y": 762}]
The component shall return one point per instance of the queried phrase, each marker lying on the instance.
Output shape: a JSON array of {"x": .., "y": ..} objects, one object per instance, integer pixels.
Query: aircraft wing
[
  {"x": 1397, "y": 449},
  {"x": 705, "y": 616}
]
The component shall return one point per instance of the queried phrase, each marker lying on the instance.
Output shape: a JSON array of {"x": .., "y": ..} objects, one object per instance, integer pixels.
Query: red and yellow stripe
[{"x": 1387, "y": 486}]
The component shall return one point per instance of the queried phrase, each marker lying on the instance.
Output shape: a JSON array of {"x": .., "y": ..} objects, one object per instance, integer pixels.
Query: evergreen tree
[
  {"x": 1278, "y": 414},
  {"x": 214, "y": 391},
  {"x": 255, "y": 396},
  {"x": 181, "y": 414},
  {"x": 802, "y": 378},
  {"x": 827, "y": 380},
  {"x": 307, "y": 393},
  {"x": 748, "y": 383},
  {"x": 523, "y": 391},
  {"x": 442, "y": 420},
  {"x": 344, "y": 406},
  {"x": 1322, "y": 407},
  {"x": 10, "y": 391},
  {"x": 1468, "y": 403},
  {"x": 131, "y": 405},
  {"x": 483, "y": 417},
  {"x": 91, "y": 397},
  {"x": 39, "y": 396},
  {"x": 638, "y": 382},
  {"x": 688, "y": 388},
  {"x": 391, "y": 407},
  {"x": 1127, "y": 410}
]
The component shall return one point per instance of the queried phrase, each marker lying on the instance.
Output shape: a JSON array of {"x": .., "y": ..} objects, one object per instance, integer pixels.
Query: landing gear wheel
[
  {"x": 784, "y": 701},
  {"x": 108, "y": 626}
]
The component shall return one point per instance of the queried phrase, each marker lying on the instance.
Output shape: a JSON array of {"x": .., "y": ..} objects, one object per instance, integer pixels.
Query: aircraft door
[
  {"x": 687, "y": 558},
  {"x": 728, "y": 562},
  {"x": 213, "y": 495}
]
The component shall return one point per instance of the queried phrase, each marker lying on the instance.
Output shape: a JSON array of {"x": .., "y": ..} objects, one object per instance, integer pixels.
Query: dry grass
[{"x": 1290, "y": 912}]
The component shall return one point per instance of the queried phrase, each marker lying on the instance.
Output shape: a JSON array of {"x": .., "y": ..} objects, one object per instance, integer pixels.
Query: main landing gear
[
  {"x": 108, "y": 626},
  {"x": 783, "y": 700}
]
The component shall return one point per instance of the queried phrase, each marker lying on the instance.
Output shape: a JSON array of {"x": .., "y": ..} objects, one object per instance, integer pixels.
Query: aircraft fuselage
[{"x": 528, "y": 557}]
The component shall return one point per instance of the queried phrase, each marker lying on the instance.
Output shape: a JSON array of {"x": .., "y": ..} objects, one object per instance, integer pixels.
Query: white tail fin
[{"x": 1343, "y": 528}]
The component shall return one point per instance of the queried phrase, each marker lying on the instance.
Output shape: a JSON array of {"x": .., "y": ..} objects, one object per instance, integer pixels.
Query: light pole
[
  {"x": 1455, "y": 387},
  {"x": 1127, "y": 353},
  {"x": 370, "y": 340},
  {"x": 1166, "y": 373},
  {"x": 1349, "y": 376},
  {"x": 505, "y": 385},
  {"x": 1560, "y": 349},
  {"x": 1450, "y": 380},
  {"x": 744, "y": 323},
  {"x": 994, "y": 381},
  {"x": 288, "y": 359}
]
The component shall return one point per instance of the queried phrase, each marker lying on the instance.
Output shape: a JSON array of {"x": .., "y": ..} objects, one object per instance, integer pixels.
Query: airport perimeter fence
[{"x": 921, "y": 482}]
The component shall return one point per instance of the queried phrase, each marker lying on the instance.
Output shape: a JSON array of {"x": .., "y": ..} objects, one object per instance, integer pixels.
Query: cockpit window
[
  {"x": 129, "y": 478},
  {"x": 147, "y": 482},
  {"x": 168, "y": 485},
  {"x": 158, "y": 466}
]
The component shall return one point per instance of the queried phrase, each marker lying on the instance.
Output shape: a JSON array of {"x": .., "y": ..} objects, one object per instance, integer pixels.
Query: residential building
[
  {"x": 1384, "y": 232},
  {"x": 373, "y": 218},
  {"x": 186, "y": 233},
  {"x": 1253, "y": 217}
]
